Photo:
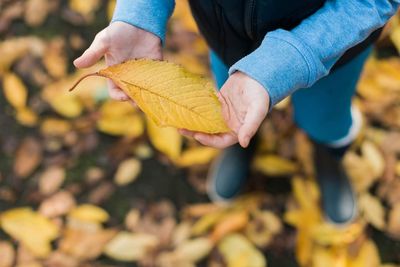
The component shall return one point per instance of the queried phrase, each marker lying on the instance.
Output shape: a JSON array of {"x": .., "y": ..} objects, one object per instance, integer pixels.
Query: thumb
[{"x": 93, "y": 54}]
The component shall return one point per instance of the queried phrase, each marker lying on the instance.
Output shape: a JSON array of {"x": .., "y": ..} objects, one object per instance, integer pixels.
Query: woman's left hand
[{"x": 245, "y": 104}]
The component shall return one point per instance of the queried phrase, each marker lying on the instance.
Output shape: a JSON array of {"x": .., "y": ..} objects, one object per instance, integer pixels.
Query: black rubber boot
[
  {"x": 337, "y": 195},
  {"x": 229, "y": 172}
]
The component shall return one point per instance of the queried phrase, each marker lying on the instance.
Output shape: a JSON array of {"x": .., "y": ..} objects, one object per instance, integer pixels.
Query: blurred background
[{"x": 86, "y": 181}]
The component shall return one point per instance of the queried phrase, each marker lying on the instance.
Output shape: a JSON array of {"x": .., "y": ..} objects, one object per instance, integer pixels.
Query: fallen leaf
[
  {"x": 55, "y": 59},
  {"x": 130, "y": 247},
  {"x": 374, "y": 157},
  {"x": 27, "y": 117},
  {"x": 128, "y": 170},
  {"x": 394, "y": 221},
  {"x": 372, "y": 210},
  {"x": 194, "y": 250},
  {"x": 34, "y": 230},
  {"x": 51, "y": 180},
  {"x": 36, "y": 12},
  {"x": 57, "y": 205},
  {"x": 120, "y": 118},
  {"x": 169, "y": 95},
  {"x": 237, "y": 251},
  {"x": 14, "y": 90},
  {"x": 232, "y": 222},
  {"x": 28, "y": 157},
  {"x": 85, "y": 245},
  {"x": 272, "y": 165},
  {"x": 196, "y": 156},
  {"x": 7, "y": 254},
  {"x": 167, "y": 140},
  {"x": 89, "y": 213},
  {"x": 262, "y": 228},
  {"x": 55, "y": 127}
]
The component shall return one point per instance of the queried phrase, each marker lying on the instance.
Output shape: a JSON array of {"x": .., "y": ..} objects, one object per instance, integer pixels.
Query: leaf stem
[{"x": 82, "y": 78}]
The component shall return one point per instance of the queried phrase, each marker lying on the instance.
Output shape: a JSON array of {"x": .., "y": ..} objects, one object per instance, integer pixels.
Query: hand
[
  {"x": 245, "y": 104},
  {"x": 117, "y": 43}
]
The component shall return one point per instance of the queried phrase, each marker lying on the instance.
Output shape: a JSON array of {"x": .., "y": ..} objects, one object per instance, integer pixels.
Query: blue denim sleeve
[
  {"x": 150, "y": 15},
  {"x": 289, "y": 60}
]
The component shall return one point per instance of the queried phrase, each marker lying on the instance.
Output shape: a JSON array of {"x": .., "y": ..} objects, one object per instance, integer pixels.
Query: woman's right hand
[{"x": 119, "y": 42}]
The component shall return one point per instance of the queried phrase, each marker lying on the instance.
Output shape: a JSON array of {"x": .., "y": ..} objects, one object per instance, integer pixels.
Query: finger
[
  {"x": 116, "y": 93},
  {"x": 93, "y": 54},
  {"x": 254, "y": 117},
  {"x": 217, "y": 141},
  {"x": 186, "y": 132}
]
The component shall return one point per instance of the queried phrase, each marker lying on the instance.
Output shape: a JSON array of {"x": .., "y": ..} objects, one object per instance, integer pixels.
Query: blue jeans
[{"x": 323, "y": 111}]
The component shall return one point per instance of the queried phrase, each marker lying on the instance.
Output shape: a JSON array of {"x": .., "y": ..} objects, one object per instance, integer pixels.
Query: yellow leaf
[
  {"x": 196, "y": 156},
  {"x": 239, "y": 252},
  {"x": 129, "y": 247},
  {"x": 262, "y": 228},
  {"x": 394, "y": 221},
  {"x": 231, "y": 222},
  {"x": 194, "y": 250},
  {"x": 367, "y": 257},
  {"x": 32, "y": 229},
  {"x": 328, "y": 234},
  {"x": 27, "y": 116},
  {"x": 372, "y": 210},
  {"x": 86, "y": 8},
  {"x": 274, "y": 165},
  {"x": 374, "y": 158},
  {"x": 206, "y": 222},
  {"x": 127, "y": 171},
  {"x": 67, "y": 105},
  {"x": 55, "y": 127},
  {"x": 110, "y": 9},
  {"x": 14, "y": 90},
  {"x": 89, "y": 213},
  {"x": 167, "y": 140},
  {"x": 120, "y": 118},
  {"x": 169, "y": 95}
]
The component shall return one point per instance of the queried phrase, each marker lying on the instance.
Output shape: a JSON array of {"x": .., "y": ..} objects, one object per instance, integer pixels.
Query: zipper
[{"x": 250, "y": 25}]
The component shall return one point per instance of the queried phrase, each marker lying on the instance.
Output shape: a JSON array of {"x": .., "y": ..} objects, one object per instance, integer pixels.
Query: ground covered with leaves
[{"x": 86, "y": 181}]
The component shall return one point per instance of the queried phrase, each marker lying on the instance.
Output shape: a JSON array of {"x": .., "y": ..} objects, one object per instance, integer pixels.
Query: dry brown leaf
[
  {"x": 14, "y": 90},
  {"x": 28, "y": 157},
  {"x": 36, "y": 12},
  {"x": 167, "y": 140},
  {"x": 51, "y": 180},
  {"x": 57, "y": 205},
  {"x": 169, "y": 94},
  {"x": 237, "y": 251},
  {"x": 34, "y": 230},
  {"x": 85, "y": 245},
  {"x": 272, "y": 165},
  {"x": 372, "y": 210},
  {"x": 128, "y": 170},
  {"x": 7, "y": 254},
  {"x": 130, "y": 247}
]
